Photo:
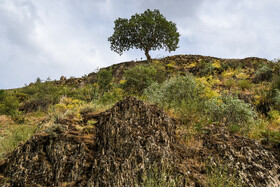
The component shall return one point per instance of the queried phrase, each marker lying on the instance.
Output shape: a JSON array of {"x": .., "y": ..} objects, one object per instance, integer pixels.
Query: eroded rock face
[
  {"x": 48, "y": 161},
  {"x": 255, "y": 165},
  {"x": 129, "y": 139},
  {"x": 126, "y": 142}
]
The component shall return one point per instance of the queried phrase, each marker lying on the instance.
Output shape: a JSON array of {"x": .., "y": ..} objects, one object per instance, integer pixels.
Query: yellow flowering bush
[
  {"x": 122, "y": 81},
  {"x": 191, "y": 65},
  {"x": 216, "y": 64},
  {"x": 209, "y": 82},
  {"x": 228, "y": 73},
  {"x": 68, "y": 107}
]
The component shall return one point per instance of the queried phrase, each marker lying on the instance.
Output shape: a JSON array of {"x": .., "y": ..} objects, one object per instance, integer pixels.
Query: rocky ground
[{"x": 128, "y": 141}]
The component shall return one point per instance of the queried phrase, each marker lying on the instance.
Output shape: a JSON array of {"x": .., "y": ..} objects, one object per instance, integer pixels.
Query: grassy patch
[
  {"x": 221, "y": 176},
  {"x": 13, "y": 135}
]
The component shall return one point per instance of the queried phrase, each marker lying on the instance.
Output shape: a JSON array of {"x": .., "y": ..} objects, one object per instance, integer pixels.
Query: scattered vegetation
[
  {"x": 221, "y": 176},
  {"x": 243, "y": 96}
]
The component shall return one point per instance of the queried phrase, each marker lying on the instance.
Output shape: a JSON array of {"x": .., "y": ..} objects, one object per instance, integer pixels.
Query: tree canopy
[{"x": 147, "y": 31}]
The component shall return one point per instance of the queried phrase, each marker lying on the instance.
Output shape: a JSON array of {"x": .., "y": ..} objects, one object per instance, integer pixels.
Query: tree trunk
[{"x": 149, "y": 59}]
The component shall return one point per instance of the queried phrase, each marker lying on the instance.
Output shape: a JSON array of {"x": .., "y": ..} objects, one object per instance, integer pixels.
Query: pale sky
[{"x": 51, "y": 38}]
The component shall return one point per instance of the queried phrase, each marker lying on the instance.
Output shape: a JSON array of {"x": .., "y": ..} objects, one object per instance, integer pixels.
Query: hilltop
[{"x": 184, "y": 120}]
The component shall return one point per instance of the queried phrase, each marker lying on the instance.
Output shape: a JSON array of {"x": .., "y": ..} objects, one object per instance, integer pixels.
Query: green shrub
[
  {"x": 244, "y": 84},
  {"x": 142, "y": 76},
  {"x": 263, "y": 73},
  {"x": 276, "y": 99},
  {"x": 270, "y": 99},
  {"x": 230, "y": 83},
  {"x": 2, "y": 95},
  {"x": 271, "y": 137},
  {"x": 21, "y": 97},
  {"x": 206, "y": 68},
  {"x": 233, "y": 112},
  {"x": 87, "y": 93},
  {"x": 104, "y": 79},
  {"x": 40, "y": 95},
  {"x": 8, "y": 105},
  {"x": 110, "y": 97},
  {"x": 177, "y": 92},
  {"x": 35, "y": 105}
]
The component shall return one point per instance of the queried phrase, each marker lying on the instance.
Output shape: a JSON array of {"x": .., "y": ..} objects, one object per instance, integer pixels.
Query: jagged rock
[
  {"x": 129, "y": 139},
  {"x": 251, "y": 162},
  {"x": 125, "y": 143}
]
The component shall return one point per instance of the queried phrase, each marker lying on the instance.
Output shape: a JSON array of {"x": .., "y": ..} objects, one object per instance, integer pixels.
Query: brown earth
[{"x": 128, "y": 141}]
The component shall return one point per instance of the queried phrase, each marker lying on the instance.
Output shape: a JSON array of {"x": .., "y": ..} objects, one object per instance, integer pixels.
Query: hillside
[{"x": 184, "y": 120}]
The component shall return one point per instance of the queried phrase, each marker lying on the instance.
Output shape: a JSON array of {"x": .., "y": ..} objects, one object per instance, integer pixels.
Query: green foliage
[
  {"x": 40, "y": 96},
  {"x": 2, "y": 95},
  {"x": 263, "y": 73},
  {"x": 110, "y": 97},
  {"x": 13, "y": 135},
  {"x": 104, "y": 79},
  {"x": 35, "y": 105},
  {"x": 38, "y": 80},
  {"x": 147, "y": 31},
  {"x": 244, "y": 84},
  {"x": 21, "y": 97},
  {"x": 140, "y": 77},
  {"x": 275, "y": 83},
  {"x": 206, "y": 68},
  {"x": 231, "y": 111},
  {"x": 47, "y": 91},
  {"x": 181, "y": 93},
  {"x": 87, "y": 93},
  {"x": 270, "y": 99},
  {"x": 271, "y": 137},
  {"x": 8, "y": 103},
  {"x": 230, "y": 83}
]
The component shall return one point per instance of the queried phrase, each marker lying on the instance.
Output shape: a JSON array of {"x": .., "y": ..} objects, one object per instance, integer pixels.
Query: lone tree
[{"x": 147, "y": 31}]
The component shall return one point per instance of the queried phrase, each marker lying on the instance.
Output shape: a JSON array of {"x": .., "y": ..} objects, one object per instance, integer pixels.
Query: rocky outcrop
[
  {"x": 126, "y": 142},
  {"x": 246, "y": 159},
  {"x": 132, "y": 137},
  {"x": 129, "y": 139}
]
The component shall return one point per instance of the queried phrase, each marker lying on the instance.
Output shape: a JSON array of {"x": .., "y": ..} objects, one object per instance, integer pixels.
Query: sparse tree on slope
[{"x": 147, "y": 31}]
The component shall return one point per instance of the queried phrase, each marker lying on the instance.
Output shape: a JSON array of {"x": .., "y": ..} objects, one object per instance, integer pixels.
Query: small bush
[
  {"x": 8, "y": 105},
  {"x": 112, "y": 96},
  {"x": 104, "y": 79},
  {"x": 206, "y": 68},
  {"x": 230, "y": 83},
  {"x": 35, "y": 105},
  {"x": 264, "y": 73},
  {"x": 142, "y": 76},
  {"x": 244, "y": 84},
  {"x": 87, "y": 93},
  {"x": 235, "y": 113},
  {"x": 177, "y": 92}
]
